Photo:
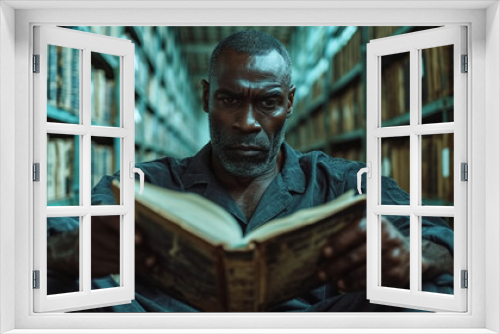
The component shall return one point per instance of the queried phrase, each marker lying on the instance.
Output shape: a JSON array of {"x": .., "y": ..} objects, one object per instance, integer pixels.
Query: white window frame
[
  {"x": 483, "y": 21},
  {"x": 86, "y": 43},
  {"x": 413, "y": 44}
]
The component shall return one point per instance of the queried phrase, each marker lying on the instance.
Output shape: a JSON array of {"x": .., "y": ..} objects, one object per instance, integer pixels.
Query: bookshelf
[
  {"x": 329, "y": 71},
  {"x": 330, "y": 101},
  {"x": 168, "y": 119}
]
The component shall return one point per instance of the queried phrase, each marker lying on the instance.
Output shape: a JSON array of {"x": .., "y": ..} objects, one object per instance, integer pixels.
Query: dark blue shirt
[{"x": 305, "y": 180}]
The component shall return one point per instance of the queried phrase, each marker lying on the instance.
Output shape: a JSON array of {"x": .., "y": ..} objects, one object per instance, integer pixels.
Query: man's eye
[
  {"x": 229, "y": 100},
  {"x": 269, "y": 103}
]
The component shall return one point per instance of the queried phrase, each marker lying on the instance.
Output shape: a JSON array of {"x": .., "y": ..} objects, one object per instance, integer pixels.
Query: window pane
[
  {"x": 63, "y": 176},
  {"x": 395, "y": 94},
  {"x": 63, "y": 85},
  {"x": 440, "y": 254},
  {"x": 63, "y": 255},
  {"x": 395, "y": 164},
  {"x": 105, "y": 251},
  {"x": 395, "y": 262},
  {"x": 105, "y": 159},
  {"x": 437, "y": 84},
  {"x": 105, "y": 90},
  {"x": 437, "y": 169}
]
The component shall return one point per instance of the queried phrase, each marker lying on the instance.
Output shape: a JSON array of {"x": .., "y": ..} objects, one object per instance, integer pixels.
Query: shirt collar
[{"x": 199, "y": 171}]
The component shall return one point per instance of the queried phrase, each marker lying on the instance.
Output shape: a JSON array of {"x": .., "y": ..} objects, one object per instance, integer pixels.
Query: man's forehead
[{"x": 232, "y": 63}]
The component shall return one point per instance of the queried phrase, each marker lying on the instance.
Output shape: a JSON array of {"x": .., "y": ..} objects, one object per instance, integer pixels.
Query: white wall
[
  {"x": 7, "y": 58},
  {"x": 482, "y": 121},
  {"x": 492, "y": 153}
]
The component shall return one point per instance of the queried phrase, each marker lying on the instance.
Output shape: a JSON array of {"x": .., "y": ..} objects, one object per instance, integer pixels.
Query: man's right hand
[{"x": 63, "y": 249}]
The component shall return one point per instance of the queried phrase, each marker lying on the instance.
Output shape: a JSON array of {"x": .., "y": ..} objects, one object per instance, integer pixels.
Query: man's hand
[
  {"x": 63, "y": 249},
  {"x": 346, "y": 258}
]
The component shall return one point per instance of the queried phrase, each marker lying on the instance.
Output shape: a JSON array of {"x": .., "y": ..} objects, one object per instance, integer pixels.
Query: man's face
[{"x": 248, "y": 101}]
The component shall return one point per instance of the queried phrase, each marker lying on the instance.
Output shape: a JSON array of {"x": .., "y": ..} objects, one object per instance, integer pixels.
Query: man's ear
[
  {"x": 206, "y": 94},
  {"x": 291, "y": 96}
]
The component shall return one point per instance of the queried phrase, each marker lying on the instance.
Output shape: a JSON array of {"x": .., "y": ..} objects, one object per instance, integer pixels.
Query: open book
[{"x": 204, "y": 259}]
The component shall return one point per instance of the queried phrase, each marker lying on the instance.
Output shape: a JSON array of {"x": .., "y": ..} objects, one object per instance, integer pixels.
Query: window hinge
[
  {"x": 464, "y": 171},
  {"x": 465, "y": 279},
  {"x": 36, "y": 279},
  {"x": 36, "y": 172},
  {"x": 465, "y": 64},
  {"x": 36, "y": 63}
]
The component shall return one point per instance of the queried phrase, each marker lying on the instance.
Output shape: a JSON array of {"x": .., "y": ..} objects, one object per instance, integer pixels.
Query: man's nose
[{"x": 246, "y": 120}]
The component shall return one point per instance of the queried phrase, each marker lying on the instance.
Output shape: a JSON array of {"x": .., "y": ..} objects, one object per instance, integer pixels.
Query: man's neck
[
  {"x": 233, "y": 183},
  {"x": 246, "y": 192}
]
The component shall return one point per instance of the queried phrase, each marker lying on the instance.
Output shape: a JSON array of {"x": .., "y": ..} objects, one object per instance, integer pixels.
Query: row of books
[
  {"x": 319, "y": 88},
  {"x": 437, "y": 80},
  {"x": 395, "y": 90},
  {"x": 161, "y": 107},
  {"x": 103, "y": 161},
  {"x": 437, "y": 166},
  {"x": 437, "y": 73},
  {"x": 173, "y": 137},
  {"x": 347, "y": 110},
  {"x": 344, "y": 113},
  {"x": 105, "y": 97},
  {"x": 158, "y": 41},
  {"x": 63, "y": 87},
  {"x": 395, "y": 160},
  {"x": 347, "y": 58},
  {"x": 61, "y": 172},
  {"x": 309, "y": 133},
  {"x": 63, "y": 78},
  {"x": 313, "y": 39}
]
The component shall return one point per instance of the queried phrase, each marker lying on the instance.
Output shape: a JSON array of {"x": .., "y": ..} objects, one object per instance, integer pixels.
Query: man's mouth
[{"x": 247, "y": 150}]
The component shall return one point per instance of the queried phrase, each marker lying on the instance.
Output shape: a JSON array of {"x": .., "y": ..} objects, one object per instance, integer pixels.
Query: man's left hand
[{"x": 345, "y": 258}]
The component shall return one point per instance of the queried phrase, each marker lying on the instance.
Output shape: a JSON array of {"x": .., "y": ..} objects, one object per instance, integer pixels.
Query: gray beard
[{"x": 245, "y": 167}]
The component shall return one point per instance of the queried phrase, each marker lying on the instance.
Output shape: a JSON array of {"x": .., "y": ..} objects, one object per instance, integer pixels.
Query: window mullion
[
  {"x": 415, "y": 171},
  {"x": 85, "y": 167}
]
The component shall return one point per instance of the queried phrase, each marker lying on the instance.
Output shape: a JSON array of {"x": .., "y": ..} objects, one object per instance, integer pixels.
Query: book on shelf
[
  {"x": 437, "y": 69},
  {"x": 437, "y": 168},
  {"x": 395, "y": 92},
  {"x": 103, "y": 161},
  {"x": 205, "y": 260},
  {"x": 60, "y": 168}
]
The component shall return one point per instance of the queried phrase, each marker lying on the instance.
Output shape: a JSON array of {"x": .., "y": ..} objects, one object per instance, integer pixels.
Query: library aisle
[{"x": 329, "y": 71}]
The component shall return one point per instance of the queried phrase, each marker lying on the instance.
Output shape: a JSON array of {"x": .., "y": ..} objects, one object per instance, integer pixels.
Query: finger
[
  {"x": 346, "y": 239},
  {"x": 396, "y": 277},
  {"x": 355, "y": 280},
  {"x": 394, "y": 257},
  {"x": 343, "y": 264},
  {"x": 391, "y": 237}
]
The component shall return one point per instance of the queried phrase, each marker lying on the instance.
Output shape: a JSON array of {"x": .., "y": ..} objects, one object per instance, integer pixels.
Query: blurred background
[{"x": 329, "y": 71}]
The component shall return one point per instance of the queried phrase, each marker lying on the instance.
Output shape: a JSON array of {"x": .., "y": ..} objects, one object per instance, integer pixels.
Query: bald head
[{"x": 253, "y": 43}]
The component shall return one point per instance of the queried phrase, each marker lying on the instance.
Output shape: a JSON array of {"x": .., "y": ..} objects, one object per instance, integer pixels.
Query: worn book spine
[
  {"x": 239, "y": 279},
  {"x": 288, "y": 264}
]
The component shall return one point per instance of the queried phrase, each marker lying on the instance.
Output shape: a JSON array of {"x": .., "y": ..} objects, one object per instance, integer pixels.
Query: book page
[
  {"x": 192, "y": 212},
  {"x": 188, "y": 268},
  {"x": 302, "y": 217}
]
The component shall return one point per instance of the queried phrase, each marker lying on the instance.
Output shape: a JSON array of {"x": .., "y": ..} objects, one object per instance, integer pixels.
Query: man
[{"x": 248, "y": 169}]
